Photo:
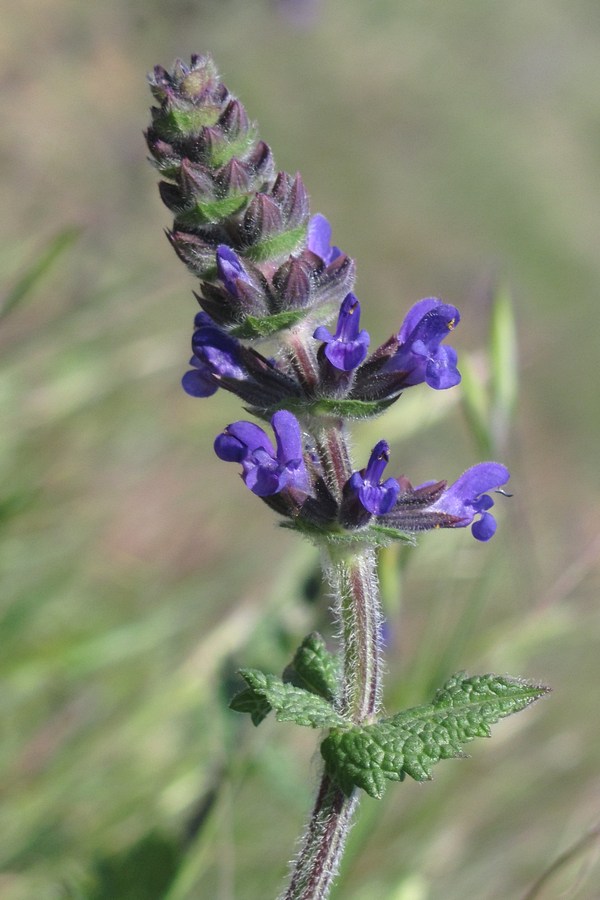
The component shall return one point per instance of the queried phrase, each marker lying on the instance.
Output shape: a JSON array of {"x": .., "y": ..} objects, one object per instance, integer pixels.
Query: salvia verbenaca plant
[{"x": 270, "y": 275}]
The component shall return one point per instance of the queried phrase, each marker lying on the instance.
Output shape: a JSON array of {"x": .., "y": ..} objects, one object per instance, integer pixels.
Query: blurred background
[{"x": 455, "y": 147}]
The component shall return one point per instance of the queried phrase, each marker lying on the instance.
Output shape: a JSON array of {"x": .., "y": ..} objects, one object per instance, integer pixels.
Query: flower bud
[
  {"x": 232, "y": 178},
  {"x": 195, "y": 182},
  {"x": 262, "y": 219},
  {"x": 292, "y": 199},
  {"x": 197, "y": 254},
  {"x": 292, "y": 284},
  {"x": 234, "y": 120}
]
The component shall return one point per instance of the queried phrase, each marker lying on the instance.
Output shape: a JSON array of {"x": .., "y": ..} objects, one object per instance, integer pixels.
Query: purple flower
[
  {"x": 216, "y": 354},
  {"x": 230, "y": 269},
  {"x": 266, "y": 470},
  {"x": 347, "y": 348},
  {"x": 319, "y": 239},
  {"x": 419, "y": 354},
  {"x": 466, "y": 498},
  {"x": 375, "y": 497}
]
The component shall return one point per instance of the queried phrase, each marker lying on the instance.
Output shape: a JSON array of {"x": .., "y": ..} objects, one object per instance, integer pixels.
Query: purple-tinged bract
[
  {"x": 347, "y": 348},
  {"x": 266, "y": 470}
]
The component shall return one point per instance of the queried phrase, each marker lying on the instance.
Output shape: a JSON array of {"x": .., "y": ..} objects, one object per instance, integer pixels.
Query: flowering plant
[{"x": 269, "y": 273}]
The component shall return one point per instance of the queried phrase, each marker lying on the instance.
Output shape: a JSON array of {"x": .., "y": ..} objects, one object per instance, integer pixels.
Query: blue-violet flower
[
  {"x": 466, "y": 498},
  {"x": 230, "y": 268},
  {"x": 319, "y": 239},
  {"x": 376, "y": 497},
  {"x": 215, "y": 354},
  {"x": 266, "y": 470},
  {"x": 347, "y": 348},
  {"x": 420, "y": 354}
]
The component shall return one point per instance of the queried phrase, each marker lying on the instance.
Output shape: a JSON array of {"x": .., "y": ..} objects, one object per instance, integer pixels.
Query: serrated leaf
[
  {"x": 314, "y": 668},
  {"x": 248, "y": 701},
  {"x": 411, "y": 742},
  {"x": 291, "y": 704}
]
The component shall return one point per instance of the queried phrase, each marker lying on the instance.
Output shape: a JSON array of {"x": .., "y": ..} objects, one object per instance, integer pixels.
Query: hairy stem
[
  {"x": 352, "y": 576},
  {"x": 317, "y": 863},
  {"x": 355, "y": 590}
]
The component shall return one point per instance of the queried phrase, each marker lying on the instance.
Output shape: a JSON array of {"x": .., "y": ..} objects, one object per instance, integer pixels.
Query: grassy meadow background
[{"x": 454, "y": 146}]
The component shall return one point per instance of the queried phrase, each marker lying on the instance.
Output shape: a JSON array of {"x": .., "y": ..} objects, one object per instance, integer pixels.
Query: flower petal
[{"x": 461, "y": 497}]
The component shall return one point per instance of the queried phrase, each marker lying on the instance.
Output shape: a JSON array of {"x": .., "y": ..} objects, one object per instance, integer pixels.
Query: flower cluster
[{"x": 268, "y": 271}]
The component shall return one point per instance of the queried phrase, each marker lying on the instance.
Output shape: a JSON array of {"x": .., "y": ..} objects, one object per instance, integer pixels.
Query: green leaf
[
  {"x": 291, "y": 704},
  {"x": 249, "y": 701},
  {"x": 489, "y": 407},
  {"x": 411, "y": 742},
  {"x": 314, "y": 668}
]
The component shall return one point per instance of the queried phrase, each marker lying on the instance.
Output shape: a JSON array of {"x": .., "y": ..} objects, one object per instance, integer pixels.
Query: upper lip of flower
[
  {"x": 347, "y": 348},
  {"x": 318, "y": 239},
  {"x": 419, "y": 353}
]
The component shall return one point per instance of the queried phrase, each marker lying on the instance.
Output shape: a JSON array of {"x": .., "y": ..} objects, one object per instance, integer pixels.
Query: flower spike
[{"x": 269, "y": 272}]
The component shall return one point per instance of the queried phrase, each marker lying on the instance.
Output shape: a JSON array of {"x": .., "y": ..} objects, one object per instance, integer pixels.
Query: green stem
[
  {"x": 352, "y": 577},
  {"x": 318, "y": 861}
]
